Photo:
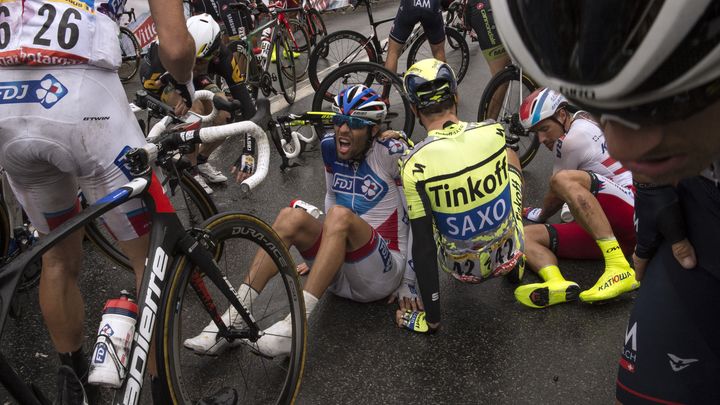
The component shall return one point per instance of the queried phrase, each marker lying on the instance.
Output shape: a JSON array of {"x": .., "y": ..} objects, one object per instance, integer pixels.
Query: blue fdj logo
[
  {"x": 366, "y": 186},
  {"x": 100, "y": 353},
  {"x": 46, "y": 91},
  {"x": 385, "y": 255}
]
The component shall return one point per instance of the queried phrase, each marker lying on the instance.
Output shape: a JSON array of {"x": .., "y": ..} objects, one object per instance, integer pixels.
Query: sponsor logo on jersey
[
  {"x": 474, "y": 188},
  {"x": 677, "y": 363},
  {"x": 46, "y": 91},
  {"x": 468, "y": 224},
  {"x": 367, "y": 186}
]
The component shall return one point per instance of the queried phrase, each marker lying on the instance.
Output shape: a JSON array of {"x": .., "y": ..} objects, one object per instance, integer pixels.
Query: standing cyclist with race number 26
[{"x": 68, "y": 125}]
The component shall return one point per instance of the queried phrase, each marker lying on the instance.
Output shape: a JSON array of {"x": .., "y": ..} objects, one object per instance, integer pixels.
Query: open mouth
[
  {"x": 343, "y": 146},
  {"x": 657, "y": 167}
]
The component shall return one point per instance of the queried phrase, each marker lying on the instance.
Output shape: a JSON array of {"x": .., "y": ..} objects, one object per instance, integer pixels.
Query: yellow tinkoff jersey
[{"x": 460, "y": 176}]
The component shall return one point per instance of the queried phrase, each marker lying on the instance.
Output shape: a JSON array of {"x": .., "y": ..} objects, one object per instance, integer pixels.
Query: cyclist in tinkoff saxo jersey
[
  {"x": 599, "y": 192},
  {"x": 649, "y": 70},
  {"x": 463, "y": 189},
  {"x": 66, "y": 123},
  {"x": 359, "y": 251},
  {"x": 212, "y": 57}
]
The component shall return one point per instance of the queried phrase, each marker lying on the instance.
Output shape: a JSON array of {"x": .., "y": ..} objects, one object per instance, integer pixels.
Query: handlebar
[{"x": 144, "y": 100}]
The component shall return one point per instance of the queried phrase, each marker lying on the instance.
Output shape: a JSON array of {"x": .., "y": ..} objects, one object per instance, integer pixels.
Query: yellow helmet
[{"x": 429, "y": 82}]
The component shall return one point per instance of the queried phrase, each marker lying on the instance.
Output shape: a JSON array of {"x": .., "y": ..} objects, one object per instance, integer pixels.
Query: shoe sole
[{"x": 541, "y": 296}]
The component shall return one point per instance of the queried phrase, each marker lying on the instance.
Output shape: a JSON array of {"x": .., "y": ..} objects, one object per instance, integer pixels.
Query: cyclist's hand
[
  {"x": 415, "y": 321},
  {"x": 407, "y": 297},
  {"x": 683, "y": 251},
  {"x": 244, "y": 167},
  {"x": 532, "y": 214},
  {"x": 302, "y": 269}
]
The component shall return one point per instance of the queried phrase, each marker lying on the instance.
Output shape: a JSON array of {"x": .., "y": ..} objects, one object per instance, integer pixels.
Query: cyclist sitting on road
[
  {"x": 359, "y": 251},
  {"x": 463, "y": 189},
  {"x": 409, "y": 13},
  {"x": 212, "y": 57},
  {"x": 599, "y": 192},
  {"x": 70, "y": 130}
]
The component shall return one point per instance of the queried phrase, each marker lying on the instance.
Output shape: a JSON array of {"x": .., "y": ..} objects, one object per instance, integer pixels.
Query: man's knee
[
  {"x": 565, "y": 180},
  {"x": 536, "y": 233},
  {"x": 339, "y": 219},
  {"x": 289, "y": 220}
]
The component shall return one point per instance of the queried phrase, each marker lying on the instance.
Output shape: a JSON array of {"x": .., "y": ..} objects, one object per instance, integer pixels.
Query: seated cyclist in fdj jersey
[
  {"x": 359, "y": 251},
  {"x": 409, "y": 13},
  {"x": 212, "y": 57},
  {"x": 71, "y": 128},
  {"x": 598, "y": 190},
  {"x": 659, "y": 104},
  {"x": 464, "y": 187}
]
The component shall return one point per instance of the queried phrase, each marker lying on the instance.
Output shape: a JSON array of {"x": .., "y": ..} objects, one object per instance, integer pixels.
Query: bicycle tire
[
  {"x": 285, "y": 63},
  {"x": 300, "y": 43},
  {"x": 371, "y": 75},
  {"x": 334, "y": 49},
  {"x": 182, "y": 314},
  {"x": 131, "y": 54},
  {"x": 508, "y": 112},
  {"x": 318, "y": 31},
  {"x": 189, "y": 193},
  {"x": 458, "y": 58}
]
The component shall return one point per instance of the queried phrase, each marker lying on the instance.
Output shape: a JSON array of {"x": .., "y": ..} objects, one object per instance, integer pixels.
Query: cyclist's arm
[
  {"x": 568, "y": 156},
  {"x": 177, "y": 48}
]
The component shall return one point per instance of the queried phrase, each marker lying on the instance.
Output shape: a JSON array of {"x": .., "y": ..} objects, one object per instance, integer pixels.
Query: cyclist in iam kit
[
  {"x": 409, "y": 13},
  {"x": 366, "y": 220},
  {"x": 70, "y": 130},
  {"x": 649, "y": 71}
]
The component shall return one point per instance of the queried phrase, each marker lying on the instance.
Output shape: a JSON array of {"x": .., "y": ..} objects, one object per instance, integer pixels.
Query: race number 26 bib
[{"x": 59, "y": 32}]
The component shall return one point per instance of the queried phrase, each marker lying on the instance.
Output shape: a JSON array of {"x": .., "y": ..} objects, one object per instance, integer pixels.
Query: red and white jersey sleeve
[
  {"x": 60, "y": 32},
  {"x": 584, "y": 148}
]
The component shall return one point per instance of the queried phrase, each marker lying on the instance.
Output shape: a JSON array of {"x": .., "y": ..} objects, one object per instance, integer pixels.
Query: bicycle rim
[
  {"x": 285, "y": 63},
  {"x": 191, "y": 203},
  {"x": 257, "y": 379},
  {"x": 504, "y": 94},
  {"x": 384, "y": 82},
  {"x": 299, "y": 41},
  {"x": 338, "y": 49},
  {"x": 130, "y": 52},
  {"x": 318, "y": 26},
  {"x": 457, "y": 53}
]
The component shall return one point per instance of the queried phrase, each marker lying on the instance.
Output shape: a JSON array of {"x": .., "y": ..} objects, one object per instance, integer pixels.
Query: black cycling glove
[{"x": 658, "y": 216}]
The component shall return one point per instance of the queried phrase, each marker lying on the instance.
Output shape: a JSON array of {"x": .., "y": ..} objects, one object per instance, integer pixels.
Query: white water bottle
[
  {"x": 565, "y": 214},
  {"x": 309, "y": 208},
  {"x": 109, "y": 361}
]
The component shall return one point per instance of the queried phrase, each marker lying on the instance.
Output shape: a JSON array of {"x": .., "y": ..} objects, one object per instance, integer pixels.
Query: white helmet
[
  {"x": 540, "y": 104},
  {"x": 206, "y": 33},
  {"x": 645, "y": 61}
]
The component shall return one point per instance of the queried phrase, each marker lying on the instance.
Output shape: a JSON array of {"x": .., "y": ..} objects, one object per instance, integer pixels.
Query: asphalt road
[{"x": 490, "y": 349}]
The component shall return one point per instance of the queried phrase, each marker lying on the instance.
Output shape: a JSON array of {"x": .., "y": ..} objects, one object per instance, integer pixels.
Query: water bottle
[
  {"x": 112, "y": 349},
  {"x": 309, "y": 208},
  {"x": 265, "y": 44},
  {"x": 565, "y": 214}
]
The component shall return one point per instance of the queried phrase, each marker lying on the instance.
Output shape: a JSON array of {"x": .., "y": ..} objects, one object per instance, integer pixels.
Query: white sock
[{"x": 310, "y": 303}]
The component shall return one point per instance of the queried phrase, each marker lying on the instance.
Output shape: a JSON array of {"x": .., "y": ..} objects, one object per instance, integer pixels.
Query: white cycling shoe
[
  {"x": 276, "y": 340},
  {"x": 201, "y": 181},
  {"x": 212, "y": 174}
]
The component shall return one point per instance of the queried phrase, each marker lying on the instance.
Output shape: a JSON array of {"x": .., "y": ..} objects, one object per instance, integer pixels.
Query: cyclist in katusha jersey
[
  {"x": 463, "y": 190},
  {"x": 359, "y": 251},
  {"x": 409, "y": 13},
  {"x": 65, "y": 123},
  {"x": 599, "y": 192},
  {"x": 212, "y": 57},
  {"x": 649, "y": 71}
]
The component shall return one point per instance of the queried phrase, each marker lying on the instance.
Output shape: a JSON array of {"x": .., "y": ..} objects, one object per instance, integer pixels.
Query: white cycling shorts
[
  {"x": 64, "y": 129},
  {"x": 368, "y": 274}
]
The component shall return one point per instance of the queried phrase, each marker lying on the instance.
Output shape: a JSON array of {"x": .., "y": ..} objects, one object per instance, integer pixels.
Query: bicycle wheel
[
  {"x": 285, "y": 63},
  {"x": 183, "y": 314},
  {"x": 299, "y": 40},
  {"x": 316, "y": 26},
  {"x": 338, "y": 49},
  {"x": 192, "y": 205},
  {"x": 386, "y": 83},
  {"x": 501, "y": 101},
  {"x": 457, "y": 53},
  {"x": 130, "y": 52}
]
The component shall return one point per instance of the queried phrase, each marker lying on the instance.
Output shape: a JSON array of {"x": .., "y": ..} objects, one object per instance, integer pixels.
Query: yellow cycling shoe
[
  {"x": 542, "y": 295},
  {"x": 612, "y": 283},
  {"x": 296, "y": 55}
]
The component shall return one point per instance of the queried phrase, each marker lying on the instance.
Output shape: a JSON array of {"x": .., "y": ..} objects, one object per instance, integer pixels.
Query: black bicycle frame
[{"x": 168, "y": 239}]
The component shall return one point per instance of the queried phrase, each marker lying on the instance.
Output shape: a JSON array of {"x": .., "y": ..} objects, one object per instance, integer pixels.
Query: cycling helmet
[
  {"x": 652, "y": 61},
  {"x": 540, "y": 104},
  {"x": 360, "y": 101},
  {"x": 429, "y": 82},
  {"x": 206, "y": 33}
]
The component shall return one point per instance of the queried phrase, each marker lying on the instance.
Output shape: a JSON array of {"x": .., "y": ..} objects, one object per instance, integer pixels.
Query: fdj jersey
[
  {"x": 64, "y": 32},
  {"x": 475, "y": 201}
]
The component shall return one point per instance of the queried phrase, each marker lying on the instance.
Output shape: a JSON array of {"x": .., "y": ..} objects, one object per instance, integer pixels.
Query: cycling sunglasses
[
  {"x": 352, "y": 122},
  {"x": 674, "y": 108}
]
